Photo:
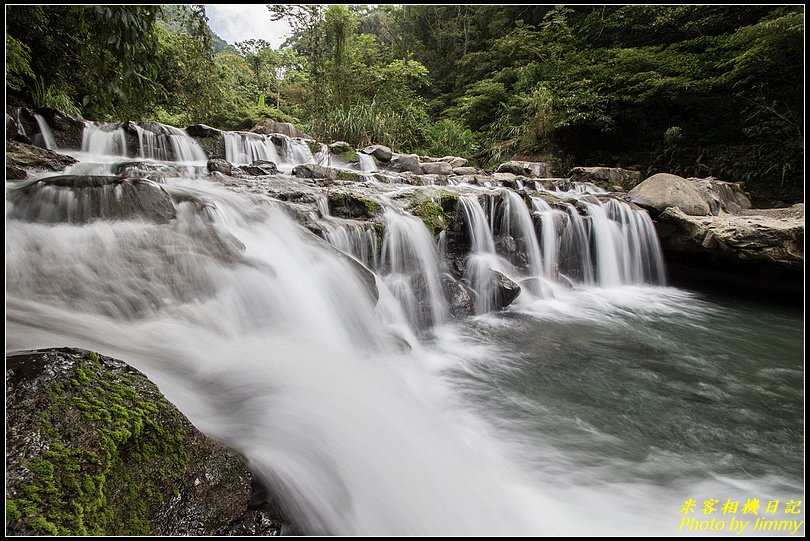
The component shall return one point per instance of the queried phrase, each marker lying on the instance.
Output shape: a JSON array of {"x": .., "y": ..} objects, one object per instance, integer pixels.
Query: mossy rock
[
  {"x": 94, "y": 448},
  {"x": 438, "y": 214},
  {"x": 352, "y": 206}
]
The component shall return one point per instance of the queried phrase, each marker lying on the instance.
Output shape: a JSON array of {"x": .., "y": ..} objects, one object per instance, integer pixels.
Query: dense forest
[{"x": 694, "y": 90}]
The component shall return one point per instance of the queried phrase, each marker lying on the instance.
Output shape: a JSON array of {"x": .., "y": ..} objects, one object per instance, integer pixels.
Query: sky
[{"x": 240, "y": 22}]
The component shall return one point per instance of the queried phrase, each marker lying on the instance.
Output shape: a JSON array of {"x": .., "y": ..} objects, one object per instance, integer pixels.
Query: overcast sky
[{"x": 240, "y": 22}]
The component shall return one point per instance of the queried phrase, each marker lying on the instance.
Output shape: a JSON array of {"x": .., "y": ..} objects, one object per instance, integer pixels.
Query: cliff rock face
[{"x": 93, "y": 448}]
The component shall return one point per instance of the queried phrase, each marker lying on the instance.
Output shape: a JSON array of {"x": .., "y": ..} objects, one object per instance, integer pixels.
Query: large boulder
[
  {"x": 405, "y": 162},
  {"x": 722, "y": 196},
  {"x": 94, "y": 448},
  {"x": 81, "y": 199},
  {"x": 664, "y": 190},
  {"x": 768, "y": 235},
  {"x": 607, "y": 178},
  {"x": 222, "y": 166},
  {"x": 465, "y": 171},
  {"x": 381, "y": 152},
  {"x": 30, "y": 157},
  {"x": 285, "y": 128}
]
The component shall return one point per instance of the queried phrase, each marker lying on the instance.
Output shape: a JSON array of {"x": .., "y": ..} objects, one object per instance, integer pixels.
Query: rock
[
  {"x": 664, "y": 190},
  {"x": 203, "y": 131},
  {"x": 465, "y": 171},
  {"x": 91, "y": 198},
  {"x": 528, "y": 169},
  {"x": 15, "y": 173},
  {"x": 349, "y": 205},
  {"x": 382, "y": 153},
  {"x": 405, "y": 162},
  {"x": 222, "y": 166},
  {"x": 454, "y": 161},
  {"x": 436, "y": 168},
  {"x": 25, "y": 156},
  {"x": 460, "y": 296},
  {"x": 94, "y": 448},
  {"x": 210, "y": 139},
  {"x": 506, "y": 291},
  {"x": 23, "y": 125},
  {"x": 315, "y": 171},
  {"x": 433, "y": 180},
  {"x": 268, "y": 127},
  {"x": 774, "y": 236},
  {"x": 260, "y": 168},
  {"x": 722, "y": 196},
  {"x": 67, "y": 131},
  {"x": 606, "y": 178},
  {"x": 339, "y": 147}
]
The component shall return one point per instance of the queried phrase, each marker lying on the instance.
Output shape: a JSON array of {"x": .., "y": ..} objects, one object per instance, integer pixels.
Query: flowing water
[{"x": 583, "y": 410}]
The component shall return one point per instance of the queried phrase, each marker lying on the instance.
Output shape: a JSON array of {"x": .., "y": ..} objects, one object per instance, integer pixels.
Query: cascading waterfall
[
  {"x": 160, "y": 142},
  {"x": 244, "y": 148},
  {"x": 516, "y": 222},
  {"x": 575, "y": 251},
  {"x": 105, "y": 141},
  {"x": 410, "y": 267},
  {"x": 45, "y": 132},
  {"x": 549, "y": 245},
  {"x": 367, "y": 163},
  {"x": 641, "y": 251}
]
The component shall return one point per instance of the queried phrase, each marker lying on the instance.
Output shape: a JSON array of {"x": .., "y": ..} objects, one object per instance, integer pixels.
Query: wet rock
[
  {"x": 528, "y": 169},
  {"x": 210, "y": 139},
  {"x": 156, "y": 171},
  {"x": 67, "y": 131},
  {"x": 23, "y": 124},
  {"x": 260, "y": 168},
  {"x": 222, "y": 166},
  {"x": 436, "y": 168},
  {"x": 352, "y": 206},
  {"x": 339, "y": 147},
  {"x": 459, "y": 295},
  {"x": 506, "y": 291},
  {"x": 664, "y": 190},
  {"x": 405, "y": 162},
  {"x": 382, "y": 153},
  {"x": 80, "y": 199},
  {"x": 202, "y": 130},
  {"x": 454, "y": 161},
  {"x": 94, "y": 448},
  {"x": 32, "y": 157},
  {"x": 15, "y": 173}
]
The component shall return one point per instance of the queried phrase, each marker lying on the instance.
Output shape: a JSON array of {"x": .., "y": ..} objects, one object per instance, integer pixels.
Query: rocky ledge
[{"x": 94, "y": 448}]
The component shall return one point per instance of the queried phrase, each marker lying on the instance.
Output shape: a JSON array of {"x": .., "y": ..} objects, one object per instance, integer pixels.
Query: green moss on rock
[{"x": 438, "y": 214}]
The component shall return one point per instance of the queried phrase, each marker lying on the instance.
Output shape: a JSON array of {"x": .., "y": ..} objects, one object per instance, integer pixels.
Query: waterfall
[
  {"x": 45, "y": 131},
  {"x": 356, "y": 239},
  {"x": 641, "y": 251},
  {"x": 517, "y": 223},
  {"x": 244, "y": 148},
  {"x": 548, "y": 232},
  {"x": 575, "y": 249},
  {"x": 367, "y": 163},
  {"x": 105, "y": 141},
  {"x": 297, "y": 152},
  {"x": 410, "y": 267}
]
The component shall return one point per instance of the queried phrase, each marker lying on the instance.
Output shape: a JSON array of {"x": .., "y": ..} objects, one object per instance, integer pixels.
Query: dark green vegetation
[{"x": 692, "y": 90}]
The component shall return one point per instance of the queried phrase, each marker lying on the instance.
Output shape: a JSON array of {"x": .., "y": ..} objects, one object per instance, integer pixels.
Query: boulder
[
  {"x": 67, "y": 131},
  {"x": 155, "y": 171},
  {"x": 454, "y": 161},
  {"x": 315, "y": 171},
  {"x": 210, "y": 139},
  {"x": 465, "y": 171},
  {"x": 606, "y": 178},
  {"x": 506, "y": 291},
  {"x": 203, "y": 130},
  {"x": 459, "y": 295},
  {"x": 24, "y": 156},
  {"x": 91, "y": 198},
  {"x": 94, "y": 448},
  {"x": 381, "y": 152},
  {"x": 15, "y": 173},
  {"x": 23, "y": 124},
  {"x": 774, "y": 236},
  {"x": 405, "y": 162},
  {"x": 260, "y": 168},
  {"x": 528, "y": 169},
  {"x": 664, "y": 190},
  {"x": 436, "y": 168},
  {"x": 339, "y": 147},
  {"x": 285, "y": 128},
  {"x": 722, "y": 196},
  {"x": 352, "y": 206},
  {"x": 222, "y": 166}
]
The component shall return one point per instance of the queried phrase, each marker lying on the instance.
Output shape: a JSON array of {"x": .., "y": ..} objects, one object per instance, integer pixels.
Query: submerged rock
[
  {"x": 80, "y": 199},
  {"x": 94, "y": 448},
  {"x": 663, "y": 190}
]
